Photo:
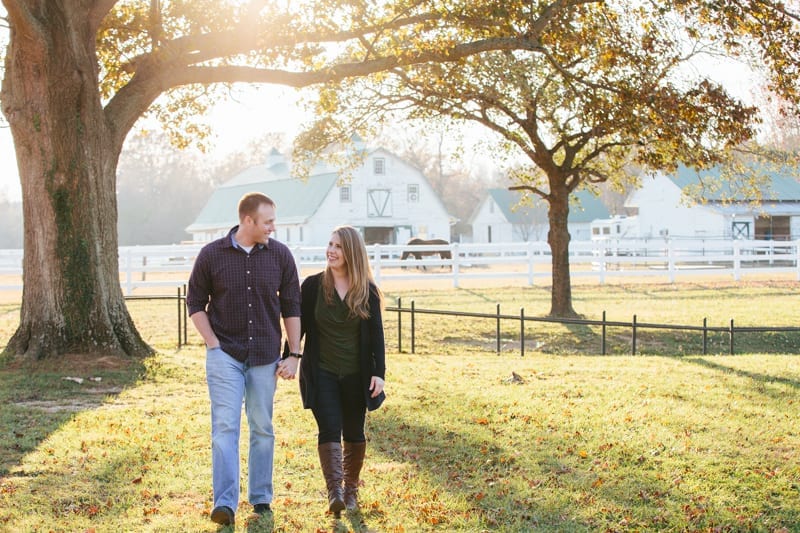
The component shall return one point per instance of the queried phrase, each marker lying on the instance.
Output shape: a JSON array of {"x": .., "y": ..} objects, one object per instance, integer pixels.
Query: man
[{"x": 239, "y": 288}]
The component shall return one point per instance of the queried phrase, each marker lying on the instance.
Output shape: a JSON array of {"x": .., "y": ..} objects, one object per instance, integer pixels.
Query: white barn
[
  {"x": 666, "y": 206},
  {"x": 387, "y": 199},
  {"x": 499, "y": 218}
]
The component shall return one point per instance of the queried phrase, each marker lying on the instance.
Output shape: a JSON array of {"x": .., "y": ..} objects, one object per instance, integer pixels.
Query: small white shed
[{"x": 500, "y": 218}]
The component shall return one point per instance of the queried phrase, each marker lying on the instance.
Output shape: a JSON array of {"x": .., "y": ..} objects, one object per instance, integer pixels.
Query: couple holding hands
[{"x": 240, "y": 287}]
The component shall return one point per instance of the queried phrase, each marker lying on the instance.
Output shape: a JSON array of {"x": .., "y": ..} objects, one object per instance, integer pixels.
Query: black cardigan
[{"x": 372, "y": 349}]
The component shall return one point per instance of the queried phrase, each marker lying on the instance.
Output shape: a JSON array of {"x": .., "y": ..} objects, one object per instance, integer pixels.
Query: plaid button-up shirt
[{"x": 245, "y": 294}]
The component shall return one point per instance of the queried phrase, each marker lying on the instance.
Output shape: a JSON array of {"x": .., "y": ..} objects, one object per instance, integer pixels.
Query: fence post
[
  {"x": 522, "y": 332},
  {"x": 797, "y": 257},
  {"x": 603, "y": 336},
  {"x": 185, "y": 317},
  {"x": 737, "y": 261},
  {"x": 671, "y": 261},
  {"x": 400, "y": 325},
  {"x": 531, "y": 263},
  {"x": 498, "y": 329},
  {"x": 129, "y": 272},
  {"x": 413, "y": 340},
  {"x": 376, "y": 263},
  {"x": 603, "y": 264},
  {"x": 705, "y": 336},
  {"x": 731, "y": 336},
  {"x": 455, "y": 262},
  {"x": 633, "y": 340},
  {"x": 180, "y": 315}
]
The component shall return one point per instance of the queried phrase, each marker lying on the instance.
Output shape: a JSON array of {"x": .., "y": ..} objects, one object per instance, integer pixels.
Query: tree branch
[
  {"x": 99, "y": 10},
  {"x": 194, "y": 49},
  {"x": 23, "y": 21}
]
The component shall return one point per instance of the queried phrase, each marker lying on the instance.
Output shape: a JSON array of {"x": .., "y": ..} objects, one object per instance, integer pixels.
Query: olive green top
[{"x": 338, "y": 336}]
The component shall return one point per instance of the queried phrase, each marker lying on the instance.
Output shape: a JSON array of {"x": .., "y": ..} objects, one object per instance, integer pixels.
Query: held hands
[
  {"x": 287, "y": 368},
  {"x": 376, "y": 386}
]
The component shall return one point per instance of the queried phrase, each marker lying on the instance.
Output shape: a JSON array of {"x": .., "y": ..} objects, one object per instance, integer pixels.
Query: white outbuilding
[
  {"x": 500, "y": 218},
  {"x": 703, "y": 205}
]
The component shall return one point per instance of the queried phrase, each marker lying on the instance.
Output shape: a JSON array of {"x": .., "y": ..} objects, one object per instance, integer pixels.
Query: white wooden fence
[{"x": 169, "y": 266}]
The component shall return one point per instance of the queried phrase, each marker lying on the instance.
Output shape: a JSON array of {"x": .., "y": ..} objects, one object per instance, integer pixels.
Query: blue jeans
[{"x": 230, "y": 381}]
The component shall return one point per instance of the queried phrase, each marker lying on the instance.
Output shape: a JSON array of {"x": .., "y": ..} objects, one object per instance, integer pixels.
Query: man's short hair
[{"x": 250, "y": 202}]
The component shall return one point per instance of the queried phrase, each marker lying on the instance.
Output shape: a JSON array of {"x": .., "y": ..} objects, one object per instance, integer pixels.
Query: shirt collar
[{"x": 232, "y": 240}]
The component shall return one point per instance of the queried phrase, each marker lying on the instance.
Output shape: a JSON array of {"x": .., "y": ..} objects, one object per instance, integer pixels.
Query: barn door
[{"x": 379, "y": 203}]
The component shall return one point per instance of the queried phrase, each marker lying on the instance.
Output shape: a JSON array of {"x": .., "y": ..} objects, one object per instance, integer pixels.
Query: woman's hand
[{"x": 376, "y": 386}]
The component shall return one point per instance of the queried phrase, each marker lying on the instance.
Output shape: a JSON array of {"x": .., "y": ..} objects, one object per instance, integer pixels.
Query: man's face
[{"x": 262, "y": 225}]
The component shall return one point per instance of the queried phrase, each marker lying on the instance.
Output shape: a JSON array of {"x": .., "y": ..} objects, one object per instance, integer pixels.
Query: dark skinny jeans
[{"x": 340, "y": 410}]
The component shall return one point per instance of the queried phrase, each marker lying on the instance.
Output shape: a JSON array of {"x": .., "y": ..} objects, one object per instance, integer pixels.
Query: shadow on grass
[
  {"x": 36, "y": 399},
  {"x": 467, "y": 467},
  {"x": 755, "y": 376},
  {"x": 534, "y": 478}
]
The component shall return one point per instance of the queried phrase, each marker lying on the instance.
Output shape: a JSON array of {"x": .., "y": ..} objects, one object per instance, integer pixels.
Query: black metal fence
[
  {"x": 182, "y": 312},
  {"x": 732, "y": 331},
  {"x": 634, "y": 325}
]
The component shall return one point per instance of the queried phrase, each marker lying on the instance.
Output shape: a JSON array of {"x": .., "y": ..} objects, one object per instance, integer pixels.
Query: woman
[{"x": 343, "y": 365}]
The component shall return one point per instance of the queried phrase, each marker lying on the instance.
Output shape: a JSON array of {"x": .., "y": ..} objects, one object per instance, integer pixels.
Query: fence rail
[
  {"x": 634, "y": 325},
  {"x": 169, "y": 266},
  {"x": 412, "y": 311}
]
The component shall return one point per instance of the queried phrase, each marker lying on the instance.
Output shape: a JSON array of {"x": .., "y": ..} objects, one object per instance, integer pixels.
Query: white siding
[
  {"x": 663, "y": 212},
  {"x": 409, "y": 219}
]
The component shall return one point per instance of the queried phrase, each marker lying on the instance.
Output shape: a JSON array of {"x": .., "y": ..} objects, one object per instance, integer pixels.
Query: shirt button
[
  {"x": 249, "y": 288},
  {"x": 251, "y": 338}
]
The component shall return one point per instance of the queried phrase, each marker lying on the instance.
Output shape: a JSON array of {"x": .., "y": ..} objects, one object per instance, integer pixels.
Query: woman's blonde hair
[{"x": 356, "y": 264}]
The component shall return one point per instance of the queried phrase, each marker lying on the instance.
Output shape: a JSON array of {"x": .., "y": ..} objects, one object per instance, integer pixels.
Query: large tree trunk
[
  {"x": 558, "y": 238},
  {"x": 72, "y": 301}
]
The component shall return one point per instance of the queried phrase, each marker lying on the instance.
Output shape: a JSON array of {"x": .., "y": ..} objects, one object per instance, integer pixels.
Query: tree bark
[
  {"x": 72, "y": 301},
  {"x": 558, "y": 238}
]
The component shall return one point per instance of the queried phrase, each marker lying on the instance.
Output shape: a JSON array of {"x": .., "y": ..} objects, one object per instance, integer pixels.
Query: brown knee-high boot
[
  {"x": 353, "y": 460},
  {"x": 330, "y": 458}
]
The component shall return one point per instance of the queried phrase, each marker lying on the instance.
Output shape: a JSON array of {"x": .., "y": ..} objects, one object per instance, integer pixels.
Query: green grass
[{"x": 577, "y": 443}]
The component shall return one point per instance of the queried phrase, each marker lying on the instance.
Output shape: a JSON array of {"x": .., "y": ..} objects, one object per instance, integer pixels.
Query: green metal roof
[
  {"x": 779, "y": 185},
  {"x": 588, "y": 208},
  {"x": 296, "y": 200}
]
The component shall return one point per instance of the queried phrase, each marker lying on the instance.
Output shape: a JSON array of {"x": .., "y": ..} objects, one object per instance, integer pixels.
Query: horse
[{"x": 443, "y": 253}]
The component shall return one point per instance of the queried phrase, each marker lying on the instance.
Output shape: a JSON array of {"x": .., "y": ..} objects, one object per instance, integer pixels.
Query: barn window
[
  {"x": 379, "y": 165},
  {"x": 413, "y": 193},
  {"x": 344, "y": 194}
]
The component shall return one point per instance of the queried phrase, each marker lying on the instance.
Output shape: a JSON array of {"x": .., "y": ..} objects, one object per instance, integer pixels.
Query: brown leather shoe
[{"x": 223, "y": 515}]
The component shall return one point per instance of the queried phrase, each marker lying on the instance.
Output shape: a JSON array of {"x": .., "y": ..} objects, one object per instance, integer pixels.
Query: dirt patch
[
  {"x": 74, "y": 364},
  {"x": 60, "y": 406}
]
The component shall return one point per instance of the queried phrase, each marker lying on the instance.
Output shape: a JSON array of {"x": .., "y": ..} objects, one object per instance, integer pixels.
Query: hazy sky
[{"x": 252, "y": 113}]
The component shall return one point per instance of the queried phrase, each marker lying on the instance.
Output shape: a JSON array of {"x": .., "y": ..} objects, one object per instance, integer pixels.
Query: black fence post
[
  {"x": 731, "y": 334},
  {"x": 400, "y": 325},
  {"x": 603, "y": 336},
  {"x": 633, "y": 340},
  {"x": 180, "y": 315},
  {"x": 185, "y": 317},
  {"x": 413, "y": 333},
  {"x": 498, "y": 329},
  {"x": 705, "y": 336},
  {"x": 522, "y": 332}
]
